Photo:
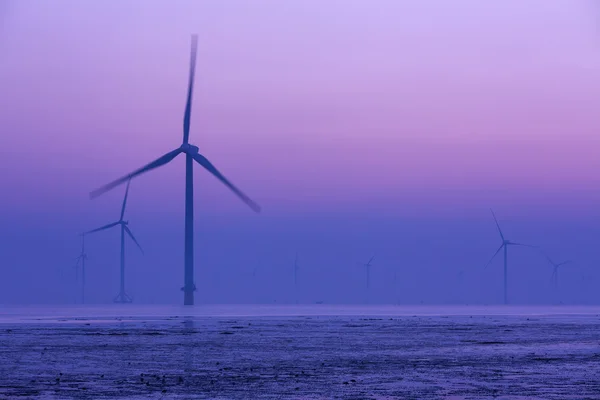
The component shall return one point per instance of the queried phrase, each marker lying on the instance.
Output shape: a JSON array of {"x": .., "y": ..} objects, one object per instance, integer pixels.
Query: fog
[{"x": 362, "y": 131}]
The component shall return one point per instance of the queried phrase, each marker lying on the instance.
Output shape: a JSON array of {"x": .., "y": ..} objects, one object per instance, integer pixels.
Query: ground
[{"x": 272, "y": 355}]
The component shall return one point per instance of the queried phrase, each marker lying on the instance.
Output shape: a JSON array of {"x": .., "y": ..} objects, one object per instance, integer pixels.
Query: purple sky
[{"x": 370, "y": 109}]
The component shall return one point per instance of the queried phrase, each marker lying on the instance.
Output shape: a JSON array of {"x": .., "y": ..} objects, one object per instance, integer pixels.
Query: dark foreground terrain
[{"x": 309, "y": 357}]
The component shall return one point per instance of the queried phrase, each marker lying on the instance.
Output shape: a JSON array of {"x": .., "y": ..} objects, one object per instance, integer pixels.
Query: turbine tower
[
  {"x": 122, "y": 297},
  {"x": 80, "y": 263},
  {"x": 191, "y": 155},
  {"x": 504, "y": 246},
  {"x": 554, "y": 277}
]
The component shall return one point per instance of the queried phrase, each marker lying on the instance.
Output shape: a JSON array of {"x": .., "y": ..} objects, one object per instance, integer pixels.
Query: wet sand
[{"x": 543, "y": 356}]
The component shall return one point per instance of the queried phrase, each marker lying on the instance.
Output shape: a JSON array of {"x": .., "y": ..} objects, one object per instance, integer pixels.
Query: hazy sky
[{"x": 364, "y": 127}]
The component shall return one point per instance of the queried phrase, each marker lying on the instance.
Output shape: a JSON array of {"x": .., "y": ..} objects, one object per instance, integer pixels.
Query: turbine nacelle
[{"x": 189, "y": 148}]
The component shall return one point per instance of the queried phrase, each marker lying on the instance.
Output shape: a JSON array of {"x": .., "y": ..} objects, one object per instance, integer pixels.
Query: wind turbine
[
  {"x": 191, "y": 155},
  {"x": 504, "y": 245},
  {"x": 80, "y": 263},
  {"x": 122, "y": 297},
  {"x": 555, "y": 267},
  {"x": 368, "y": 266}
]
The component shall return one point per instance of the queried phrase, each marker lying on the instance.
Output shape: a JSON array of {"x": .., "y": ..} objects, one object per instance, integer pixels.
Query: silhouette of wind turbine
[
  {"x": 122, "y": 297},
  {"x": 80, "y": 263},
  {"x": 504, "y": 245},
  {"x": 555, "y": 267},
  {"x": 368, "y": 266},
  {"x": 191, "y": 155}
]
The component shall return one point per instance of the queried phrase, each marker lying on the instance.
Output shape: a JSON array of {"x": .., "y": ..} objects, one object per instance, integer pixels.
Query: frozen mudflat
[{"x": 293, "y": 352}]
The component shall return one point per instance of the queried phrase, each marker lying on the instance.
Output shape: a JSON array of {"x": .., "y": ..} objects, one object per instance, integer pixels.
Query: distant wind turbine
[
  {"x": 504, "y": 245},
  {"x": 122, "y": 297},
  {"x": 80, "y": 263},
  {"x": 555, "y": 267},
  {"x": 368, "y": 266},
  {"x": 191, "y": 155}
]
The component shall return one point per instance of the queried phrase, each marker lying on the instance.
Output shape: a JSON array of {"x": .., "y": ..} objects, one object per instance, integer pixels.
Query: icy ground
[{"x": 314, "y": 352}]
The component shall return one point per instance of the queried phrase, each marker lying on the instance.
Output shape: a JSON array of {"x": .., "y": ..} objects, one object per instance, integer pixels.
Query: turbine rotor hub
[
  {"x": 189, "y": 148},
  {"x": 193, "y": 288}
]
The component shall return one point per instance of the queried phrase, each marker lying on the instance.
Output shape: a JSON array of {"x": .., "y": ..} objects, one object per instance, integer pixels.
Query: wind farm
[
  {"x": 193, "y": 155},
  {"x": 377, "y": 139}
]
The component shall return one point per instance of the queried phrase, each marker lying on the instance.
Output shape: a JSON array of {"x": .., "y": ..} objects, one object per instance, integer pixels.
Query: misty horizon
[{"x": 399, "y": 153}]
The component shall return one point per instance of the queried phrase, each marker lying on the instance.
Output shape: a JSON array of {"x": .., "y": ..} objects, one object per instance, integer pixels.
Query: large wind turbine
[
  {"x": 122, "y": 297},
  {"x": 191, "y": 155},
  {"x": 504, "y": 245},
  {"x": 81, "y": 263},
  {"x": 368, "y": 266},
  {"x": 555, "y": 267}
]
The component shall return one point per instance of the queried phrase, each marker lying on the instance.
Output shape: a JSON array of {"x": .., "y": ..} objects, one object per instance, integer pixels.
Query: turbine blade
[
  {"x": 521, "y": 244},
  {"x": 563, "y": 263},
  {"x": 125, "y": 201},
  {"x": 549, "y": 259},
  {"x": 188, "y": 104},
  {"x": 154, "y": 164},
  {"x": 497, "y": 224},
  {"x": 497, "y": 251},
  {"x": 103, "y": 227},
  {"x": 371, "y": 260},
  {"x": 200, "y": 159},
  {"x": 133, "y": 238}
]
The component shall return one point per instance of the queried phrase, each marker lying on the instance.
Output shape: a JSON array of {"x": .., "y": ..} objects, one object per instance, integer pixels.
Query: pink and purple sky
[
  {"x": 359, "y": 107},
  {"x": 311, "y": 104}
]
